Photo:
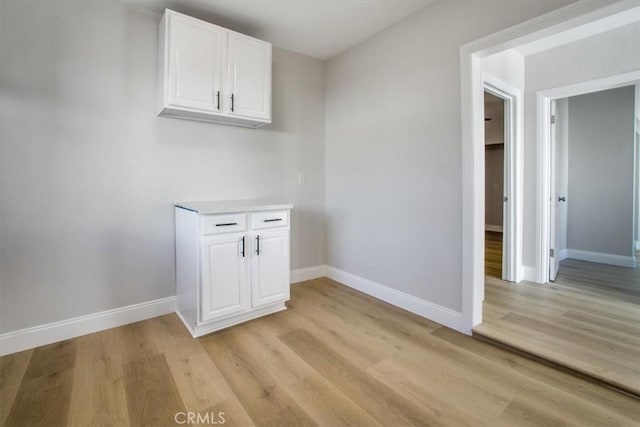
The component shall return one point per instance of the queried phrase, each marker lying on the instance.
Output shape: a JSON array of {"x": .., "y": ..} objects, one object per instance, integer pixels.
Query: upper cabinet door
[
  {"x": 195, "y": 64},
  {"x": 249, "y": 79}
]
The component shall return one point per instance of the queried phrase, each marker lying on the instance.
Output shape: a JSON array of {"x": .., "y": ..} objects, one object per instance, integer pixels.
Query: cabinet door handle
[
  {"x": 273, "y": 220},
  {"x": 242, "y": 246},
  {"x": 218, "y": 99},
  {"x": 258, "y": 245},
  {"x": 226, "y": 224},
  {"x": 232, "y": 103}
]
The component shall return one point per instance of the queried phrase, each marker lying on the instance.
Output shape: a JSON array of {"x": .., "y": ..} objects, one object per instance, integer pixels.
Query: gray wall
[
  {"x": 601, "y": 172},
  {"x": 494, "y": 184},
  {"x": 393, "y": 147},
  {"x": 614, "y": 52},
  {"x": 88, "y": 172}
]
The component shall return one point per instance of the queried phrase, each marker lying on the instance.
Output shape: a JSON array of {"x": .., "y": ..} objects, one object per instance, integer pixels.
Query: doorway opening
[
  {"x": 553, "y": 198},
  {"x": 495, "y": 198}
]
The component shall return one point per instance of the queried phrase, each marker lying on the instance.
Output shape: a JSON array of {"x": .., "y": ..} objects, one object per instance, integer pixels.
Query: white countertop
[{"x": 231, "y": 206}]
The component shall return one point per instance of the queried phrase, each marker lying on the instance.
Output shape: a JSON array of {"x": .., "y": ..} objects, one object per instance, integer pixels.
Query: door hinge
[
  {"x": 553, "y": 119},
  {"x": 552, "y": 253}
]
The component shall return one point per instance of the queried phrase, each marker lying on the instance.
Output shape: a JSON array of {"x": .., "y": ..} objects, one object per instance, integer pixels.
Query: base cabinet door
[
  {"x": 270, "y": 267},
  {"x": 224, "y": 276}
]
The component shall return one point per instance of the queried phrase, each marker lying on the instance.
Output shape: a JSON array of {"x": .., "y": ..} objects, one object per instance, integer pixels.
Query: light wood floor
[
  {"x": 588, "y": 320},
  {"x": 336, "y": 357}
]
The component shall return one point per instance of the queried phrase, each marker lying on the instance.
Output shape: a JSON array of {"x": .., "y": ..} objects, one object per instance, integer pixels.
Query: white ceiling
[{"x": 318, "y": 28}]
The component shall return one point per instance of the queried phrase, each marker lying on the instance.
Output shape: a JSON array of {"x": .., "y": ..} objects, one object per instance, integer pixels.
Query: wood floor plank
[
  {"x": 468, "y": 410},
  {"x": 200, "y": 383},
  {"x": 134, "y": 342},
  {"x": 604, "y": 323},
  {"x": 12, "y": 369},
  {"x": 45, "y": 391},
  {"x": 326, "y": 404},
  {"x": 98, "y": 394},
  {"x": 266, "y": 402},
  {"x": 283, "y": 364},
  {"x": 520, "y": 413},
  {"x": 349, "y": 343},
  {"x": 51, "y": 359},
  {"x": 233, "y": 413},
  {"x": 152, "y": 394},
  {"x": 377, "y": 399}
]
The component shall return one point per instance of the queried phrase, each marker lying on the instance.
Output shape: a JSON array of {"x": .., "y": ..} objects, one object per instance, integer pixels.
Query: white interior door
[
  {"x": 249, "y": 77},
  {"x": 270, "y": 267},
  {"x": 224, "y": 276},
  {"x": 196, "y": 64},
  {"x": 554, "y": 256}
]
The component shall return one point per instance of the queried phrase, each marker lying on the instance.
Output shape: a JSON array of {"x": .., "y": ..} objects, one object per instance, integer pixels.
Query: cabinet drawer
[
  {"x": 269, "y": 219},
  {"x": 218, "y": 224}
]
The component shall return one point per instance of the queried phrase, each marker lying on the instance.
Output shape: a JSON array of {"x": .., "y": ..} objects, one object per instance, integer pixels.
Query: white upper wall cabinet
[{"x": 209, "y": 73}]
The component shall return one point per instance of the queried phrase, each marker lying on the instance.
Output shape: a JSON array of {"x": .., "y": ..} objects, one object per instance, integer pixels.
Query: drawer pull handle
[
  {"x": 273, "y": 220},
  {"x": 242, "y": 246},
  {"x": 258, "y": 245},
  {"x": 226, "y": 224}
]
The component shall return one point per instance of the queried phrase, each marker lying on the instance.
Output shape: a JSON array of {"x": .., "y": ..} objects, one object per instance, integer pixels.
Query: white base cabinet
[{"x": 230, "y": 266}]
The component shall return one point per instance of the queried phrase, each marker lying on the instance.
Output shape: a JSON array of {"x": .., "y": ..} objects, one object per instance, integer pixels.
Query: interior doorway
[
  {"x": 554, "y": 201},
  {"x": 495, "y": 198},
  {"x": 502, "y": 181}
]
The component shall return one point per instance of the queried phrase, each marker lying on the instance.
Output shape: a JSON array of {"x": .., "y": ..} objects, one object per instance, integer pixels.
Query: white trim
[
  {"x": 494, "y": 228},
  {"x": 543, "y": 142},
  {"x": 206, "y": 328},
  {"x": 308, "y": 273},
  {"x": 599, "y": 257},
  {"x": 563, "y": 254},
  {"x": 528, "y": 273},
  {"x": 637, "y": 245},
  {"x": 578, "y": 33},
  {"x": 471, "y": 87},
  {"x": 443, "y": 315},
  {"x": 36, "y": 336}
]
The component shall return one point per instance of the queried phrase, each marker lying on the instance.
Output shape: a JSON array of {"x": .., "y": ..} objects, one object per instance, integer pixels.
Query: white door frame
[
  {"x": 472, "y": 127},
  {"x": 543, "y": 194},
  {"x": 513, "y": 179}
]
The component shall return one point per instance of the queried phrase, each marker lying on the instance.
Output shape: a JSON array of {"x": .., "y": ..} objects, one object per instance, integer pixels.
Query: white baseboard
[
  {"x": 496, "y": 228},
  {"x": 619, "y": 260},
  {"x": 563, "y": 254},
  {"x": 36, "y": 336},
  {"x": 308, "y": 273},
  {"x": 637, "y": 245},
  {"x": 443, "y": 315}
]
